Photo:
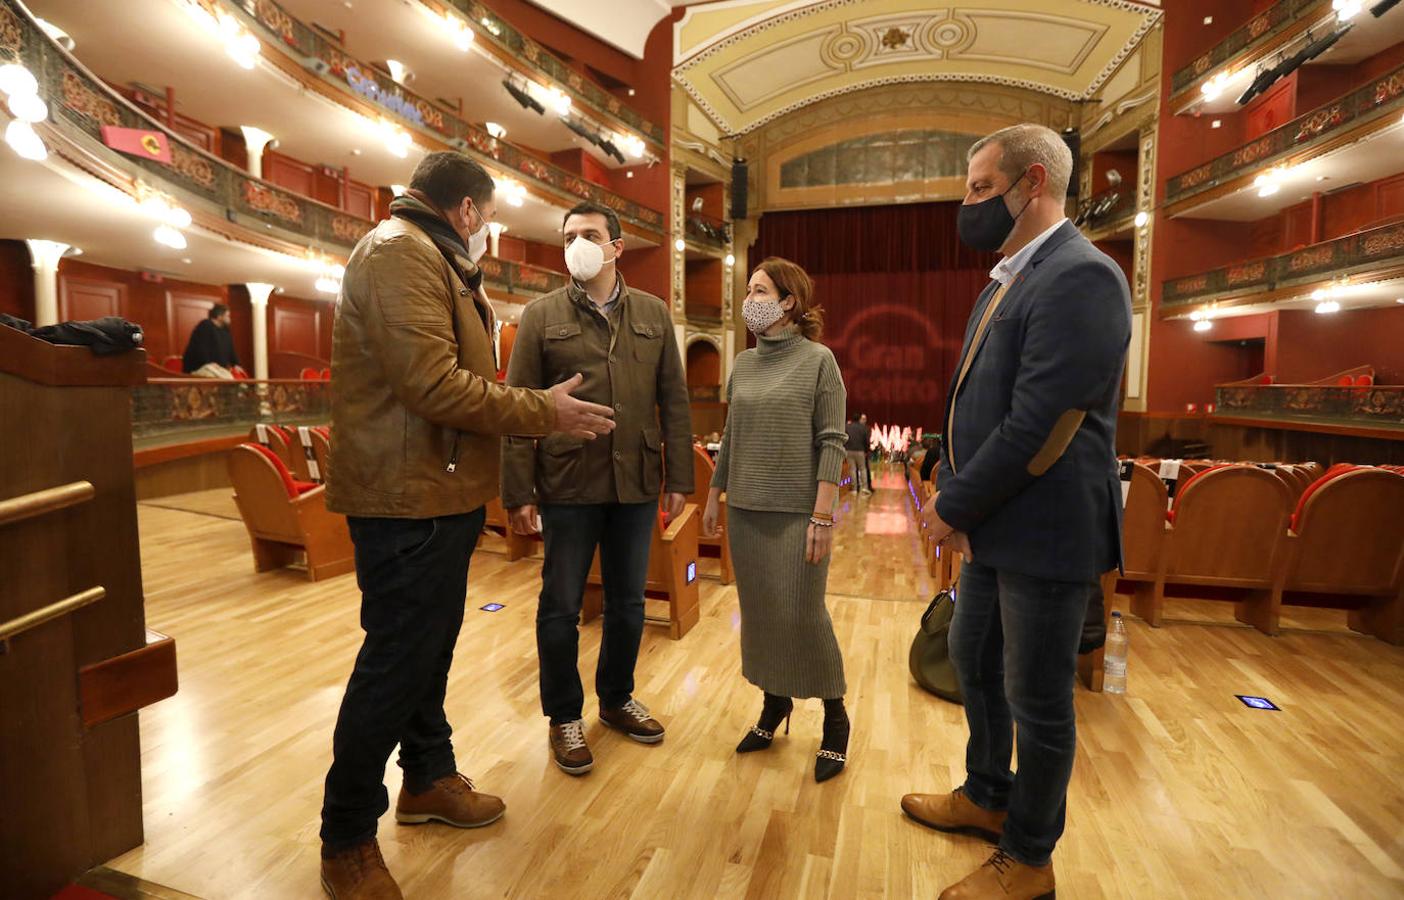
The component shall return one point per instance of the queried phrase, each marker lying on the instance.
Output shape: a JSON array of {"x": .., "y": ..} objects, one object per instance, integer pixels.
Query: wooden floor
[{"x": 1179, "y": 790}]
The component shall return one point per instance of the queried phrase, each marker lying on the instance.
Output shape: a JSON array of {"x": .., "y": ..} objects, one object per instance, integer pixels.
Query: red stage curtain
[{"x": 897, "y": 288}]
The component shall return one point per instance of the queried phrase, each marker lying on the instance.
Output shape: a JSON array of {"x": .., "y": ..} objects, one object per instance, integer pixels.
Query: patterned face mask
[{"x": 761, "y": 314}]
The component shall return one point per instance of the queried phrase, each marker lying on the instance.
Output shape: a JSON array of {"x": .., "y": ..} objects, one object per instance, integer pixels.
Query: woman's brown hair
[{"x": 792, "y": 281}]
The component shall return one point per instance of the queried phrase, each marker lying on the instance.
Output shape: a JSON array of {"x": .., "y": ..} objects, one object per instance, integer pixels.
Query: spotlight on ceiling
[
  {"x": 609, "y": 147},
  {"x": 521, "y": 96},
  {"x": 1113, "y": 177}
]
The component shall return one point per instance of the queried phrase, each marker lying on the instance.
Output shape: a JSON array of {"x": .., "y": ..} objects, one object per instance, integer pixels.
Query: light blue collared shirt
[{"x": 1007, "y": 269}]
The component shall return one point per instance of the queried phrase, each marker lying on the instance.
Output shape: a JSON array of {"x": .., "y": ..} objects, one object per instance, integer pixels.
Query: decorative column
[
  {"x": 679, "y": 249},
  {"x": 45, "y": 256},
  {"x": 1138, "y": 354},
  {"x": 258, "y": 302},
  {"x": 495, "y": 230},
  {"x": 256, "y": 140}
]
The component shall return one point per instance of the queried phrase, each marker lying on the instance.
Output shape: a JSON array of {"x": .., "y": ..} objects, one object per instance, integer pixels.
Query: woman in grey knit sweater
[{"x": 780, "y": 463}]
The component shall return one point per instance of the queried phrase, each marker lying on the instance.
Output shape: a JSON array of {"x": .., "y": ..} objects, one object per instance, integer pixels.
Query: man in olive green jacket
[
  {"x": 416, "y": 419},
  {"x": 604, "y": 493}
]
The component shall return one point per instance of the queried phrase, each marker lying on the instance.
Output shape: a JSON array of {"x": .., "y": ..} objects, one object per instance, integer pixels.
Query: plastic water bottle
[{"x": 1114, "y": 660}]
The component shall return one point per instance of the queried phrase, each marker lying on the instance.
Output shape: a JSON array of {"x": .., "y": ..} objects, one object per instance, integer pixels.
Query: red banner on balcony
[{"x": 138, "y": 142}]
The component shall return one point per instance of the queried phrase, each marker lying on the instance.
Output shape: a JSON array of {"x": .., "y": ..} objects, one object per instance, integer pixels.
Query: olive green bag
[{"x": 930, "y": 657}]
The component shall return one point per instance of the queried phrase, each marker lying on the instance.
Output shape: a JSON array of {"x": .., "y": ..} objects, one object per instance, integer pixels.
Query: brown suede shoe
[
  {"x": 453, "y": 801},
  {"x": 1004, "y": 878},
  {"x": 954, "y": 813},
  {"x": 359, "y": 873},
  {"x": 634, "y": 719},
  {"x": 569, "y": 748}
]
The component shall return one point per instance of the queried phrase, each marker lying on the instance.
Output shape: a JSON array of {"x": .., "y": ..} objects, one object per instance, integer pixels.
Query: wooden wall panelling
[
  {"x": 16, "y": 280},
  {"x": 81, "y": 299},
  {"x": 288, "y": 173},
  {"x": 294, "y": 327},
  {"x": 183, "y": 313}
]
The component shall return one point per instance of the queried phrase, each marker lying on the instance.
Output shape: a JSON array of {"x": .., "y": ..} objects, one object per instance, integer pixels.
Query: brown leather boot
[
  {"x": 1004, "y": 878},
  {"x": 359, "y": 873},
  {"x": 954, "y": 813},
  {"x": 453, "y": 801}
]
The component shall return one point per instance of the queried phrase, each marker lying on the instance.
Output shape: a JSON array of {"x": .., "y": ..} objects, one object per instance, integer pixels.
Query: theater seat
[
  {"x": 1226, "y": 543},
  {"x": 672, "y": 575},
  {"x": 240, "y": 373},
  {"x": 718, "y": 547},
  {"x": 326, "y": 374},
  {"x": 286, "y": 520},
  {"x": 282, "y": 442},
  {"x": 1346, "y": 550},
  {"x": 310, "y": 374},
  {"x": 174, "y": 364},
  {"x": 1196, "y": 472}
]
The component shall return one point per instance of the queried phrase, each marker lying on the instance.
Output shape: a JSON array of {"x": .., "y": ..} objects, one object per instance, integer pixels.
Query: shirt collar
[
  {"x": 1007, "y": 269},
  {"x": 579, "y": 293}
]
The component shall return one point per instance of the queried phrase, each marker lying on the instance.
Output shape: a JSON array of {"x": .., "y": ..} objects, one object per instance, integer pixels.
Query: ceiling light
[
  {"x": 1142, "y": 218},
  {"x": 168, "y": 236},
  {"x": 20, "y": 135},
  {"x": 397, "y": 140},
  {"x": 1208, "y": 20},
  {"x": 399, "y": 72},
  {"x": 1328, "y": 307},
  {"x": 28, "y": 108},
  {"x": 496, "y": 228},
  {"x": 1212, "y": 88},
  {"x": 1347, "y": 9},
  {"x": 327, "y": 285},
  {"x": 496, "y": 130},
  {"x": 241, "y": 46},
  {"x": 1399, "y": 300},
  {"x": 1203, "y": 325},
  {"x": 628, "y": 174},
  {"x": 680, "y": 245},
  {"x": 560, "y": 102},
  {"x": 16, "y": 79},
  {"x": 1196, "y": 316},
  {"x": 514, "y": 192},
  {"x": 462, "y": 35},
  {"x": 731, "y": 261},
  {"x": 58, "y": 35},
  {"x": 1216, "y": 124}
]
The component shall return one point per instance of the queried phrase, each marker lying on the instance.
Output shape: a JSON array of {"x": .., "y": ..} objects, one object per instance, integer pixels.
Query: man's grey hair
[{"x": 1027, "y": 144}]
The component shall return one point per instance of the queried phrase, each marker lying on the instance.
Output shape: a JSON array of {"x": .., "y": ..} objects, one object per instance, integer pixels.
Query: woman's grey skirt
[{"x": 788, "y": 647}]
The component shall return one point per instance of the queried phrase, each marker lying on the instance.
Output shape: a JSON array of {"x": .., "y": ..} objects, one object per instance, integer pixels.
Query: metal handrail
[
  {"x": 38, "y": 503},
  {"x": 49, "y": 613}
]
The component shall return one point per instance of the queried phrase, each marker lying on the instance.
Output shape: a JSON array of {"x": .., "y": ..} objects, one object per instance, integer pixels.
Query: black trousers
[
  {"x": 624, "y": 534},
  {"x": 413, "y": 575}
]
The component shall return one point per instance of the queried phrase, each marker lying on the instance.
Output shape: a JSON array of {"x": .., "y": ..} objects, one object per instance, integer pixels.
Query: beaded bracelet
[{"x": 820, "y": 522}]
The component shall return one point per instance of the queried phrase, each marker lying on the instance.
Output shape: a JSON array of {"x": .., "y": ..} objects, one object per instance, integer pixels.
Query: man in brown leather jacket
[
  {"x": 416, "y": 420},
  {"x": 603, "y": 494}
]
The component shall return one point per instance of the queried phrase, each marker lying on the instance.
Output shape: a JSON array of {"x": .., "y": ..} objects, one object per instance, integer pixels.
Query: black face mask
[{"x": 986, "y": 225}]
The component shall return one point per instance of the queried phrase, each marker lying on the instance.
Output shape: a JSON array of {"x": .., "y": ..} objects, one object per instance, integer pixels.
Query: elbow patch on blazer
[{"x": 1058, "y": 440}]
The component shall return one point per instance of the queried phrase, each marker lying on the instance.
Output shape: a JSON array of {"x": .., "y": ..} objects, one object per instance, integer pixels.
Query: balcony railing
[
  {"x": 163, "y": 407},
  {"x": 518, "y": 46},
  {"x": 1381, "y": 97},
  {"x": 1256, "y": 32},
  {"x": 81, "y": 102},
  {"x": 1375, "y": 248},
  {"x": 325, "y": 59},
  {"x": 520, "y": 278},
  {"x": 1372, "y": 406}
]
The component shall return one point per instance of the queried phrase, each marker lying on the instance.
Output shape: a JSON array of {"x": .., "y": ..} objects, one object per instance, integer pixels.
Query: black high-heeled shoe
[
  {"x": 833, "y": 750},
  {"x": 762, "y": 734}
]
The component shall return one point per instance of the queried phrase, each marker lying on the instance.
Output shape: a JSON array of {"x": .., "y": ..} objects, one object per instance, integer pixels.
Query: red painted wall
[{"x": 1311, "y": 347}]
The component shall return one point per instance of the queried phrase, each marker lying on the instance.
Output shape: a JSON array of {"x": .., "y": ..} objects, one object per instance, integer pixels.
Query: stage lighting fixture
[
  {"x": 526, "y": 100},
  {"x": 1380, "y": 9},
  {"x": 581, "y": 130},
  {"x": 609, "y": 147}
]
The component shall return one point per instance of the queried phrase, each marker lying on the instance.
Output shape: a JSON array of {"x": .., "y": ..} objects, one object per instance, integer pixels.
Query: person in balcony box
[
  {"x": 418, "y": 417},
  {"x": 605, "y": 494},
  {"x": 210, "y": 350}
]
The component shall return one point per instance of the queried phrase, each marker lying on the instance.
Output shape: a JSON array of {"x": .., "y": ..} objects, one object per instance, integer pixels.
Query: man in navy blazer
[{"x": 1027, "y": 490}]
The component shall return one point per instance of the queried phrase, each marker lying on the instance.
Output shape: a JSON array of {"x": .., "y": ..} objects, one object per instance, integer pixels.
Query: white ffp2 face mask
[
  {"x": 584, "y": 259},
  {"x": 478, "y": 244}
]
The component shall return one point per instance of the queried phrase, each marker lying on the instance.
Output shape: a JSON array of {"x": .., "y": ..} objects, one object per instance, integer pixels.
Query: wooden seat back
[
  {"x": 1229, "y": 528},
  {"x": 672, "y": 573},
  {"x": 1143, "y": 523},
  {"x": 263, "y": 494},
  {"x": 1350, "y": 536}
]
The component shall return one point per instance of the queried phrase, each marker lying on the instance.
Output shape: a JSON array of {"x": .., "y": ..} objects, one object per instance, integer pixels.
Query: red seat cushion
[
  {"x": 1332, "y": 473},
  {"x": 240, "y": 373},
  {"x": 1345, "y": 381},
  {"x": 326, "y": 374},
  {"x": 288, "y": 484},
  {"x": 174, "y": 364},
  {"x": 309, "y": 374},
  {"x": 1364, "y": 380},
  {"x": 303, "y": 487}
]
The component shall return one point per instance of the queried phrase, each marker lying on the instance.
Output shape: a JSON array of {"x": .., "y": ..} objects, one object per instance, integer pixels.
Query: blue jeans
[
  {"x": 624, "y": 534},
  {"x": 413, "y": 576},
  {"x": 1014, "y": 643}
]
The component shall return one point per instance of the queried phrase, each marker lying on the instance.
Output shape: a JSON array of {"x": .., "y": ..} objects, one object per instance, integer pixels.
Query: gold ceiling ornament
[{"x": 747, "y": 63}]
